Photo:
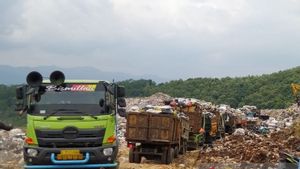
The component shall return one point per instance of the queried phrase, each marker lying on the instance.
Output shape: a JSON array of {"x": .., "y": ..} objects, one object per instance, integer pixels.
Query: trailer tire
[
  {"x": 131, "y": 156},
  {"x": 183, "y": 148},
  {"x": 170, "y": 156},
  {"x": 137, "y": 158},
  {"x": 176, "y": 152},
  {"x": 164, "y": 156}
]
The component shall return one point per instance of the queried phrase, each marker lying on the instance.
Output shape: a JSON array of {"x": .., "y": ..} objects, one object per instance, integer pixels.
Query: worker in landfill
[
  {"x": 202, "y": 135},
  {"x": 5, "y": 127}
]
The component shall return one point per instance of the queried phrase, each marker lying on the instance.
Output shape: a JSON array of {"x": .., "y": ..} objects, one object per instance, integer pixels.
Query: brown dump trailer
[
  {"x": 229, "y": 122},
  {"x": 156, "y": 136},
  {"x": 213, "y": 126},
  {"x": 194, "y": 114}
]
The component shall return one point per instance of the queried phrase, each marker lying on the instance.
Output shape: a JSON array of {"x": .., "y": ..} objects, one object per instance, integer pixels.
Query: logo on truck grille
[{"x": 70, "y": 132}]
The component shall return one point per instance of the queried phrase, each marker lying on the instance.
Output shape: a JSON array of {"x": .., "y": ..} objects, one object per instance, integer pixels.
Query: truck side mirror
[
  {"x": 101, "y": 102},
  {"x": 121, "y": 91},
  {"x": 122, "y": 112},
  {"x": 122, "y": 102}
]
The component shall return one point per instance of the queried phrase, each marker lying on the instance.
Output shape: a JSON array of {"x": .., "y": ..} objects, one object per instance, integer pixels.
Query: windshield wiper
[
  {"x": 86, "y": 114},
  {"x": 56, "y": 111},
  {"x": 69, "y": 110}
]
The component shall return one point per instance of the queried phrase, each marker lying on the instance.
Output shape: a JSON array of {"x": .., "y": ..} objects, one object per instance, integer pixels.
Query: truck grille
[{"x": 70, "y": 137}]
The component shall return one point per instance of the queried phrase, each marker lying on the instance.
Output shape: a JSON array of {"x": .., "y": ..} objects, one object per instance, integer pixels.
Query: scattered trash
[{"x": 278, "y": 131}]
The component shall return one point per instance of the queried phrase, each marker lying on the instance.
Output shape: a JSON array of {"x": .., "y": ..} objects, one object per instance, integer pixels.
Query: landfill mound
[
  {"x": 245, "y": 148},
  {"x": 11, "y": 148},
  {"x": 250, "y": 147},
  {"x": 155, "y": 99}
]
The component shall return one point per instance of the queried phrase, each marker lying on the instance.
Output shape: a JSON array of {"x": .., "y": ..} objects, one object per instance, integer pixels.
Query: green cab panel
[{"x": 80, "y": 122}]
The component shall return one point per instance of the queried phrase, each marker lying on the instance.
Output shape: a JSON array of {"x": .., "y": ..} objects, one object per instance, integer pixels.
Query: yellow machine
[{"x": 295, "y": 89}]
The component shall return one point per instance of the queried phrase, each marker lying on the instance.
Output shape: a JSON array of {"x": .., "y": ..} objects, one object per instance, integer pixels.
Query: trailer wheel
[
  {"x": 131, "y": 155},
  {"x": 170, "y": 156},
  {"x": 137, "y": 158},
  {"x": 164, "y": 156},
  {"x": 183, "y": 148},
  {"x": 176, "y": 152}
]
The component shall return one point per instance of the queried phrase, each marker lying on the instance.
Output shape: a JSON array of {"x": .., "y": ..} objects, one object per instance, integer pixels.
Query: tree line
[
  {"x": 270, "y": 91},
  {"x": 7, "y": 106}
]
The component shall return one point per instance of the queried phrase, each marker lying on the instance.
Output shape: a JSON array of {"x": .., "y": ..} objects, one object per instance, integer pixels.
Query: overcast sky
[{"x": 168, "y": 38}]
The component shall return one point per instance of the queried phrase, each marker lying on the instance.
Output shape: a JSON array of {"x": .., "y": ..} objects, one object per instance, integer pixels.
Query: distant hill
[
  {"x": 265, "y": 91},
  {"x": 16, "y": 75}
]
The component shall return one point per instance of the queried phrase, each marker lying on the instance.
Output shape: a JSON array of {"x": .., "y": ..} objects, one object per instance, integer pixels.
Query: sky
[{"x": 167, "y": 38}]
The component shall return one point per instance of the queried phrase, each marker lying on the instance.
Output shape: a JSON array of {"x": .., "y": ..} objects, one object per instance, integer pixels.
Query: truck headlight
[
  {"x": 32, "y": 152},
  {"x": 107, "y": 151}
]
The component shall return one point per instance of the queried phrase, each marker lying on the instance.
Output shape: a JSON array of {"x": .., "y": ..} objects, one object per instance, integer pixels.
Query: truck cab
[{"x": 70, "y": 124}]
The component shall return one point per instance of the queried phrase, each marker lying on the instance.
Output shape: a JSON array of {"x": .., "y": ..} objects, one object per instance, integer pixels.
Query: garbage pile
[
  {"x": 259, "y": 137},
  {"x": 121, "y": 130},
  {"x": 282, "y": 118},
  {"x": 11, "y": 148},
  {"x": 138, "y": 103},
  {"x": 249, "y": 117},
  {"x": 251, "y": 148}
]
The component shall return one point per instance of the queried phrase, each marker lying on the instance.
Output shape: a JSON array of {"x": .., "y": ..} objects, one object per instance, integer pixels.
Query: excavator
[{"x": 295, "y": 89}]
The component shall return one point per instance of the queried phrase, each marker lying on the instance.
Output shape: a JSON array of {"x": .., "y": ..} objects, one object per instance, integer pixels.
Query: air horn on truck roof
[
  {"x": 35, "y": 79},
  {"x": 57, "y": 78}
]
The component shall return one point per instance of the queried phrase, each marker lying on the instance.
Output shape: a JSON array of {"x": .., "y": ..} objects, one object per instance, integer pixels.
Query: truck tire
[
  {"x": 164, "y": 156},
  {"x": 137, "y": 158},
  {"x": 183, "y": 148},
  {"x": 170, "y": 156},
  {"x": 176, "y": 152},
  {"x": 131, "y": 156}
]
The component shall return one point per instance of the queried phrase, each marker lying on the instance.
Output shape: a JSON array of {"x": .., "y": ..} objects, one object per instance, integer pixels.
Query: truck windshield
[{"x": 70, "y": 99}]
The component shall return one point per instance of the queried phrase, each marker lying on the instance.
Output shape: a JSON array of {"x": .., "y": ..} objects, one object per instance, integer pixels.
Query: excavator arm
[{"x": 295, "y": 88}]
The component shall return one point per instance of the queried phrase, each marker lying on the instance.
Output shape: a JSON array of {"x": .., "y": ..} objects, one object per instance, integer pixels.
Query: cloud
[{"x": 170, "y": 38}]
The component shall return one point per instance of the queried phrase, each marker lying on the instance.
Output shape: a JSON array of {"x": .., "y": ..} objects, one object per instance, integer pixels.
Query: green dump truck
[{"x": 70, "y": 124}]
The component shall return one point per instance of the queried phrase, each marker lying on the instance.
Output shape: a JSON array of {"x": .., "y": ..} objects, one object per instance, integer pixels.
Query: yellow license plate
[{"x": 70, "y": 155}]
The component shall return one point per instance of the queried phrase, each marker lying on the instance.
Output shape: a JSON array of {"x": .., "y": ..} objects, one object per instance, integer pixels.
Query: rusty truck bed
[{"x": 153, "y": 128}]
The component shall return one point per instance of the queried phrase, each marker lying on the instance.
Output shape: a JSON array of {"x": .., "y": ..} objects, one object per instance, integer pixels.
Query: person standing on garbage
[{"x": 202, "y": 135}]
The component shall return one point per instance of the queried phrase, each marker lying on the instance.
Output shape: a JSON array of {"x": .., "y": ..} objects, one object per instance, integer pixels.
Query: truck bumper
[
  {"x": 46, "y": 158},
  {"x": 70, "y": 166}
]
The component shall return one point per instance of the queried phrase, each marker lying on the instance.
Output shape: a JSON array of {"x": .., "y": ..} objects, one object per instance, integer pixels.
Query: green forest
[
  {"x": 264, "y": 91},
  {"x": 7, "y": 106}
]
